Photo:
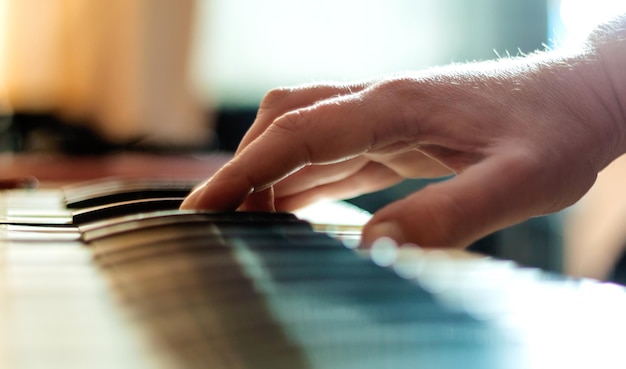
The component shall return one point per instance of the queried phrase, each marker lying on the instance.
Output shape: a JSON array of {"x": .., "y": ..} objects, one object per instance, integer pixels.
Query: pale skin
[{"x": 522, "y": 137}]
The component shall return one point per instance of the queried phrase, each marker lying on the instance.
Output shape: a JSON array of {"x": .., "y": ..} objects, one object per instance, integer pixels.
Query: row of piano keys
[{"x": 87, "y": 284}]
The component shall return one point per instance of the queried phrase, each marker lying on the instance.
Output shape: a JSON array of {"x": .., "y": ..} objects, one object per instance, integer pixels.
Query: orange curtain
[{"x": 121, "y": 65}]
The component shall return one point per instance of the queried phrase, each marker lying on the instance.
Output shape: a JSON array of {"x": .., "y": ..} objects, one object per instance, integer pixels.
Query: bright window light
[{"x": 578, "y": 17}]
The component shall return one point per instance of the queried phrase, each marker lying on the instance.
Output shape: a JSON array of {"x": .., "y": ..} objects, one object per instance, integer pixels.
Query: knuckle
[
  {"x": 290, "y": 122},
  {"x": 405, "y": 107},
  {"x": 396, "y": 87},
  {"x": 294, "y": 127},
  {"x": 275, "y": 96}
]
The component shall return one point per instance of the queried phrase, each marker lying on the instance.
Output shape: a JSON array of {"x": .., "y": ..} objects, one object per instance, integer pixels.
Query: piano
[{"x": 102, "y": 271}]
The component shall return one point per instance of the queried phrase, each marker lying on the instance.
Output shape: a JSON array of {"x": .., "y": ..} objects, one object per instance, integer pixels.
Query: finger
[
  {"x": 260, "y": 201},
  {"x": 372, "y": 177},
  {"x": 317, "y": 175},
  {"x": 343, "y": 180},
  {"x": 282, "y": 100},
  {"x": 411, "y": 164},
  {"x": 486, "y": 197},
  {"x": 333, "y": 131},
  {"x": 264, "y": 200},
  {"x": 275, "y": 103}
]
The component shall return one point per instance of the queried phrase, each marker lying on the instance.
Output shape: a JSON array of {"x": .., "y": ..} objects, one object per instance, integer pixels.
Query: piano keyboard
[{"x": 88, "y": 284}]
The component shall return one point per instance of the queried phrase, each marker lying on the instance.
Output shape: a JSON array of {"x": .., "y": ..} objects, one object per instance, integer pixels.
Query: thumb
[{"x": 486, "y": 197}]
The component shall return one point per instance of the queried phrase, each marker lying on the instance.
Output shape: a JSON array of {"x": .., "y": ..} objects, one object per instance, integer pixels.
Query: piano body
[{"x": 147, "y": 286}]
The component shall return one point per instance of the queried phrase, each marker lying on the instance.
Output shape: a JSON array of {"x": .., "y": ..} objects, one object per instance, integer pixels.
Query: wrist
[{"x": 606, "y": 45}]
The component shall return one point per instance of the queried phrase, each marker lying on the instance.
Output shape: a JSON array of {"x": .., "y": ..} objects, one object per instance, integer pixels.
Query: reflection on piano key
[
  {"x": 10, "y": 232},
  {"x": 384, "y": 252},
  {"x": 340, "y": 220}
]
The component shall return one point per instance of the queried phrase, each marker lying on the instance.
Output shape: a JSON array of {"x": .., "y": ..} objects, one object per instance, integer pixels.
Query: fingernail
[{"x": 385, "y": 229}]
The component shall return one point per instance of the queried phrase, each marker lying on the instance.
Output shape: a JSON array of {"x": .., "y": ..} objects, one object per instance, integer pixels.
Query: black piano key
[
  {"x": 118, "y": 209},
  {"x": 102, "y": 192},
  {"x": 95, "y": 214},
  {"x": 160, "y": 219}
]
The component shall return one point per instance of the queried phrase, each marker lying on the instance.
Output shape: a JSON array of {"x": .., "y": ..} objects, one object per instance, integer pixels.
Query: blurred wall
[{"x": 246, "y": 47}]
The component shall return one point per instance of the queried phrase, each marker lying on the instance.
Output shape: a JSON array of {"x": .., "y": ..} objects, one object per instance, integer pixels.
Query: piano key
[
  {"x": 102, "y": 192},
  {"x": 117, "y": 209},
  {"x": 42, "y": 199},
  {"x": 63, "y": 217},
  {"x": 189, "y": 247},
  {"x": 35, "y": 233},
  {"x": 57, "y": 219},
  {"x": 121, "y": 224},
  {"x": 210, "y": 234}
]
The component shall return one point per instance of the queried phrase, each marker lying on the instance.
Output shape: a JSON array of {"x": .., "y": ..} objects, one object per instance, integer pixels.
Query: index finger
[
  {"x": 282, "y": 100},
  {"x": 330, "y": 131}
]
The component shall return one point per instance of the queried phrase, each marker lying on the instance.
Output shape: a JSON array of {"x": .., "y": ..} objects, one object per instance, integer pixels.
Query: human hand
[{"x": 523, "y": 137}]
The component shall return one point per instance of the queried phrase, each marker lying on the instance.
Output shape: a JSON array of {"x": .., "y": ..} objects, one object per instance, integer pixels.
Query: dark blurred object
[
  {"x": 232, "y": 124},
  {"x": 47, "y": 133},
  {"x": 26, "y": 132},
  {"x": 18, "y": 183},
  {"x": 619, "y": 271}
]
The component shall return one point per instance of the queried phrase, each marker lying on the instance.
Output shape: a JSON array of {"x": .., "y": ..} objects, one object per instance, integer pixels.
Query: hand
[{"x": 523, "y": 137}]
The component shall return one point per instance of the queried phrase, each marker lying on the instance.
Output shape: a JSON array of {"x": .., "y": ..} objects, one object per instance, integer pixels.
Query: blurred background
[{"x": 84, "y": 77}]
